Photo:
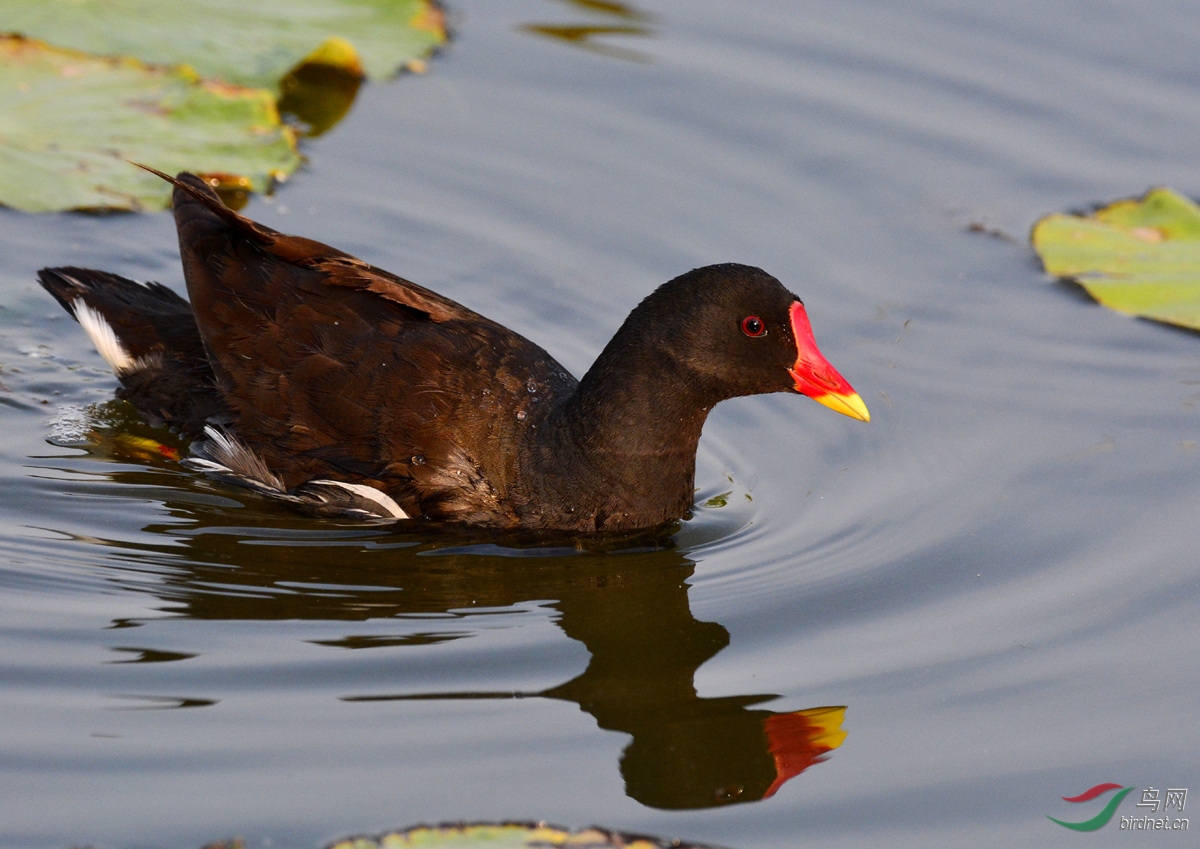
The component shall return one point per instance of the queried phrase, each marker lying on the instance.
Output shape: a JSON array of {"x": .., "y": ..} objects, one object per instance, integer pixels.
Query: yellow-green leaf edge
[
  {"x": 1137, "y": 256},
  {"x": 192, "y": 87},
  {"x": 105, "y": 112},
  {"x": 251, "y": 43},
  {"x": 506, "y": 836}
]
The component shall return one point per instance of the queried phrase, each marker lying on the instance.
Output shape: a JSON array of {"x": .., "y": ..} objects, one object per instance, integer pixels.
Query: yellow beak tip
[{"x": 848, "y": 405}]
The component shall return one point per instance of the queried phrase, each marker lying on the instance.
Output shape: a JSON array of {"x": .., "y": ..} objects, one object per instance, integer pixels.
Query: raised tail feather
[
  {"x": 148, "y": 335},
  {"x": 150, "y": 338},
  {"x": 190, "y": 188}
]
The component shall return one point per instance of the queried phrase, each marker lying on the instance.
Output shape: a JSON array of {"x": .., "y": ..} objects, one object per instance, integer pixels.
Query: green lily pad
[
  {"x": 72, "y": 120},
  {"x": 249, "y": 43},
  {"x": 507, "y": 836},
  {"x": 1140, "y": 257}
]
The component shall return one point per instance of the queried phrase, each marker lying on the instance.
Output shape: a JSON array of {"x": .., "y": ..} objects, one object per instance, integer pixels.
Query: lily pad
[
  {"x": 1140, "y": 257},
  {"x": 507, "y": 836},
  {"x": 249, "y": 43},
  {"x": 107, "y": 111}
]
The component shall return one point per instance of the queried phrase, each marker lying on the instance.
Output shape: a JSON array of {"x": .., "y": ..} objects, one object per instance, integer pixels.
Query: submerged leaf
[
  {"x": 253, "y": 44},
  {"x": 1137, "y": 256},
  {"x": 586, "y": 36},
  {"x": 71, "y": 122},
  {"x": 321, "y": 89}
]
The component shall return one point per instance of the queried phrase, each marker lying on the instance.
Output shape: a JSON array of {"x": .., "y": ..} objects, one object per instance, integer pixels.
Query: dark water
[{"x": 997, "y": 577}]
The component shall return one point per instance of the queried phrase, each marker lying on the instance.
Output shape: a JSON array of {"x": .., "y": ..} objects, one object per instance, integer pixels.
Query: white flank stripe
[
  {"x": 371, "y": 494},
  {"x": 239, "y": 459},
  {"x": 105, "y": 340}
]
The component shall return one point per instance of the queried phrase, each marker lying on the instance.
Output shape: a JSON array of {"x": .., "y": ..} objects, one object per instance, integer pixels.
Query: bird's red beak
[{"x": 815, "y": 377}]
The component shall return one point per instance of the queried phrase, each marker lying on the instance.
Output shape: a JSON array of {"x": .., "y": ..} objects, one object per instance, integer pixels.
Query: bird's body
[{"x": 323, "y": 380}]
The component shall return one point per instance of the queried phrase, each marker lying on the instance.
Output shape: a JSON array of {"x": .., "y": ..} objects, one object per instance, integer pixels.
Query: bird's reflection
[
  {"x": 625, "y": 599},
  {"x": 687, "y": 751}
]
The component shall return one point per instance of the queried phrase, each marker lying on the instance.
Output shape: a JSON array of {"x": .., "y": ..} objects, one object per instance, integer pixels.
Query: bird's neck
[{"x": 624, "y": 445}]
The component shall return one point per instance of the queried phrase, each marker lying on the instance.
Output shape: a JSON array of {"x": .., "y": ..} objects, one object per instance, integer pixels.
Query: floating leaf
[
  {"x": 507, "y": 836},
  {"x": 249, "y": 43},
  {"x": 1137, "y": 256},
  {"x": 71, "y": 122}
]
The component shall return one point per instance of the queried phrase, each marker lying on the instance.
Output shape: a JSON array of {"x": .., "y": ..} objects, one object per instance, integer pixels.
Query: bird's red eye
[{"x": 752, "y": 326}]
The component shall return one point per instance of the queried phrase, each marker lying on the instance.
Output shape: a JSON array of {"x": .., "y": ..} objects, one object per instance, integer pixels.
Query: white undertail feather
[
  {"x": 107, "y": 344},
  {"x": 226, "y": 454}
]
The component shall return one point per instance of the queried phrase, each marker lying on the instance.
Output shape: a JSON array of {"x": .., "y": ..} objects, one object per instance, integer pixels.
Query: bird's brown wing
[{"x": 335, "y": 369}]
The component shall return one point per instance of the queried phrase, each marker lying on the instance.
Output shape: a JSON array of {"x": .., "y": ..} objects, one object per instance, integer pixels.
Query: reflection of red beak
[
  {"x": 815, "y": 377},
  {"x": 799, "y": 740}
]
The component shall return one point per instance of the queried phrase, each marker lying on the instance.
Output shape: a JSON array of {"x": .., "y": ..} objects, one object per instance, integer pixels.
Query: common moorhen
[{"x": 307, "y": 374}]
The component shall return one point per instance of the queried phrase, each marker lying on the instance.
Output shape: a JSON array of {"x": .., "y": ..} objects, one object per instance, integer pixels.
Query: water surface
[{"x": 997, "y": 577}]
